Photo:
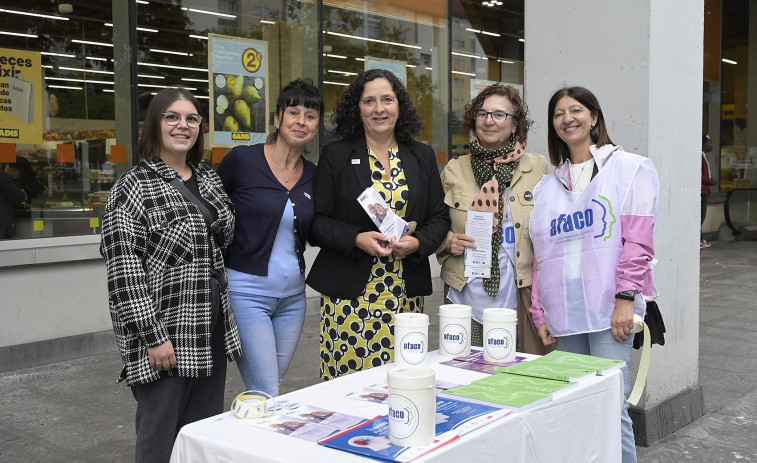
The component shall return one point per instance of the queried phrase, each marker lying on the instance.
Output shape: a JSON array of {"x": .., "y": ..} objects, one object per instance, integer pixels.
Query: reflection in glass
[
  {"x": 77, "y": 158},
  {"x": 406, "y": 38},
  {"x": 487, "y": 48},
  {"x": 738, "y": 145}
]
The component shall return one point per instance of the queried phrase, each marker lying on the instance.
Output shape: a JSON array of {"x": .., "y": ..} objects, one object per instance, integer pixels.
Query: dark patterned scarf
[{"x": 486, "y": 170}]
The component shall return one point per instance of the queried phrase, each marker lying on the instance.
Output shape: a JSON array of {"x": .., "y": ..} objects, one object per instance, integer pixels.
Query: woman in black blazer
[{"x": 363, "y": 277}]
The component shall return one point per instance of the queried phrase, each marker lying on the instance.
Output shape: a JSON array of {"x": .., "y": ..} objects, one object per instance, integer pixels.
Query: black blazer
[{"x": 341, "y": 269}]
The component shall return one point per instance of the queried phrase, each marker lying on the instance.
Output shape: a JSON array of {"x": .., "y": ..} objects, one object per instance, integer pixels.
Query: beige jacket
[{"x": 460, "y": 189}]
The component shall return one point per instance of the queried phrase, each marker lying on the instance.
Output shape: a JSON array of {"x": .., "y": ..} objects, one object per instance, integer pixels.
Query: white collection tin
[
  {"x": 412, "y": 406},
  {"x": 499, "y": 334},
  {"x": 454, "y": 330},
  {"x": 410, "y": 339}
]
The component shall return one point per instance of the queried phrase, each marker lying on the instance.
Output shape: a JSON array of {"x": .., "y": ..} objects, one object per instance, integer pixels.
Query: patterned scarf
[{"x": 492, "y": 176}]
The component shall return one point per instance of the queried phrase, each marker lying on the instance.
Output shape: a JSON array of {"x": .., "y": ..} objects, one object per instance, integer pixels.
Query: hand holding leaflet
[
  {"x": 478, "y": 260},
  {"x": 373, "y": 243},
  {"x": 385, "y": 219}
]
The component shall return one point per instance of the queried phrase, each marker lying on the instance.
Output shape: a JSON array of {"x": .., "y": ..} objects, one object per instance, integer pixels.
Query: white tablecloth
[{"x": 580, "y": 424}]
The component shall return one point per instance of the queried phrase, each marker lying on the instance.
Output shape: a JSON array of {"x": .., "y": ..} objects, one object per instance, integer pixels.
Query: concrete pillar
[{"x": 643, "y": 60}]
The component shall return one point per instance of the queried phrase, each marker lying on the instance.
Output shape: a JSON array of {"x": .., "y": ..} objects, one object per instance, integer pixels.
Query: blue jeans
[
  {"x": 269, "y": 328},
  {"x": 603, "y": 344}
]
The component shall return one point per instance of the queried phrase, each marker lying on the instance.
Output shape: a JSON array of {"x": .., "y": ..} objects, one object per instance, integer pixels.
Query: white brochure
[
  {"x": 385, "y": 219},
  {"x": 478, "y": 261}
]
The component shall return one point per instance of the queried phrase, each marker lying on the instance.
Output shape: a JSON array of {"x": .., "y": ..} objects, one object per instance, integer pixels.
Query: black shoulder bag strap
[
  {"x": 218, "y": 282},
  {"x": 212, "y": 226}
]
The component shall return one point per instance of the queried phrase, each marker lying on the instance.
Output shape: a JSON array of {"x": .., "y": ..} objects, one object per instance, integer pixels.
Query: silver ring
[{"x": 158, "y": 363}]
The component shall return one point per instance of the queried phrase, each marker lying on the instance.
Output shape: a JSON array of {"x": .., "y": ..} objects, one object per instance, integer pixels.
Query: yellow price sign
[
  {"x": 252, "y": 59},
  {"x": 39, "y": 225},
  {"x": 94, "y": 222}
]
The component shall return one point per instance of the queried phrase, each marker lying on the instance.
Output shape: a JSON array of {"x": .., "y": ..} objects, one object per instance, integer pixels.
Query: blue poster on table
[{"x": 454, "y": 418}]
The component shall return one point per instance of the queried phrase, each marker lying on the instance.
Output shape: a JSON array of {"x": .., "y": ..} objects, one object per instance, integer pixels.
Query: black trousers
[{"x": 165, "y": 405}]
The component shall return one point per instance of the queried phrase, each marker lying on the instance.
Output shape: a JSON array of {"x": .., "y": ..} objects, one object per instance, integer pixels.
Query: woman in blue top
[{"x": 271, "y": 186}]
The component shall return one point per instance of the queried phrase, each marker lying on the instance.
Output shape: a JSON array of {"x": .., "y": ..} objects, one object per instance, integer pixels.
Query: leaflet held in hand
[
  {"x": 478, "y": 261},
  {"x": 385, "y": 219}
]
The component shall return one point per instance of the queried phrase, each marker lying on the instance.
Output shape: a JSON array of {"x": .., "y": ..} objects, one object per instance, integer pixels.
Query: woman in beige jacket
[{"x": 497, "y": 176}]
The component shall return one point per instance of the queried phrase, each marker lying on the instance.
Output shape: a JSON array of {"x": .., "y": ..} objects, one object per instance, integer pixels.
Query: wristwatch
[{"x": 628, "y": 295}]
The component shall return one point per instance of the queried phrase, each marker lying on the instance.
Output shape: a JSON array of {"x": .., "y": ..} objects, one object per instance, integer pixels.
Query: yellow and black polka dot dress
[{"x": 357, "y": 334}]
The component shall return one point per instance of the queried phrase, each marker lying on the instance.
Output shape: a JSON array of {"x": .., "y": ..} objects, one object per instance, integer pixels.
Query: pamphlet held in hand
[
  {"x": 478, "y": 261},
  {"x": 385, "y": 219}
]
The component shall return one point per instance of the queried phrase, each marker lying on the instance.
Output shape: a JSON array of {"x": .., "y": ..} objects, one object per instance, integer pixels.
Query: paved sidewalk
[{"x": 74, "y": 412}]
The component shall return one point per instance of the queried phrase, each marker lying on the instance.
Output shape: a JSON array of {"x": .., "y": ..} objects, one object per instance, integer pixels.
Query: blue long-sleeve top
[{"x": 259, "y": 200}]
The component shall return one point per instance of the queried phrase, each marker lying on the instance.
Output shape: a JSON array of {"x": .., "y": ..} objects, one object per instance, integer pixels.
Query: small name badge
[{"x": 356, "y": 161}]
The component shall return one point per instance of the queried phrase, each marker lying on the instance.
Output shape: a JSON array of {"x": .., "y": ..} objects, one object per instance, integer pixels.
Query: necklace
[
  {"x": 282, "y": 171},
  {"x": 291, "y": 172},
  {"x": 583, "y": 168}
]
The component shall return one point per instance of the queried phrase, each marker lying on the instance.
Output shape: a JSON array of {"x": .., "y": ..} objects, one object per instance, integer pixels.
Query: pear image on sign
[
  {"x": 239, "y": 105},
  {"x": 234, "y": 85},
  {"x": 230, "y": 124},
  {"x": 250, "y": 95},
  {"x": 242, "y": 112}
]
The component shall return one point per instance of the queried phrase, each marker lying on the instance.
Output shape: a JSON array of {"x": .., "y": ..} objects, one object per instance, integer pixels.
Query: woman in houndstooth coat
[{"x": 166, "y": 282}]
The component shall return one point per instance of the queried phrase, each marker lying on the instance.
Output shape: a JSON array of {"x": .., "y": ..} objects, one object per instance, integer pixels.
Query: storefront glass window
[
  {"x": 71, "y": 146},
  {"x": 58, "y": 128},
  {"x": 738, "y": 144},
  {"x": 86, "y": 110},
  {"x": 282, "y": 32},
  {"x": 487, "y": 47},
  {"x": 408, "y": 38}
]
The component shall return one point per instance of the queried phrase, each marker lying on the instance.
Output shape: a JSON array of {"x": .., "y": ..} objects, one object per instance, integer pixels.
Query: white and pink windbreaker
[{"x": 588, "y": 246}]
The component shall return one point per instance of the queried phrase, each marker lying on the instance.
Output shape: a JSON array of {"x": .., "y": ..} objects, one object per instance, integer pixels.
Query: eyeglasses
[
  {"x": 173, "y": 118},
  {"x": 497, "y": 116}
]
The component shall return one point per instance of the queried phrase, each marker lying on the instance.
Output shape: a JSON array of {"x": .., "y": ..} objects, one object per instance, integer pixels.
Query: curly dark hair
[
  {"x": 522, "y": 122},
  {"x": 346, "y": 118},
  {"x": 558, "y": 149}
]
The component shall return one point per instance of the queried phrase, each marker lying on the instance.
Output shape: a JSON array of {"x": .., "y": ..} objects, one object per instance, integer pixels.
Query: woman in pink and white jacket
[{"x": 592, "y": 229}]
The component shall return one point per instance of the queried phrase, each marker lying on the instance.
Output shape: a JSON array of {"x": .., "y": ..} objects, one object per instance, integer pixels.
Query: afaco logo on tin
[
  {"x": 413, "y": 348},
  {"x": 584, "y": 220},
  {"x": 454, "y": 338},
  {"x": 403, "y": 416}
]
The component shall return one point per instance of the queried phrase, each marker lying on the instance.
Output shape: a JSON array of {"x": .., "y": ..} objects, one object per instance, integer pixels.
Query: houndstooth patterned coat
[{"x": 159, "y": 255}]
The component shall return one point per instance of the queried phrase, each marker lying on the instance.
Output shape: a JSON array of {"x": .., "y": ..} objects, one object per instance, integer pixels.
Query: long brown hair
[
  {"x": 558, "y": 149},
  {"x": 150, "y": 142}
]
